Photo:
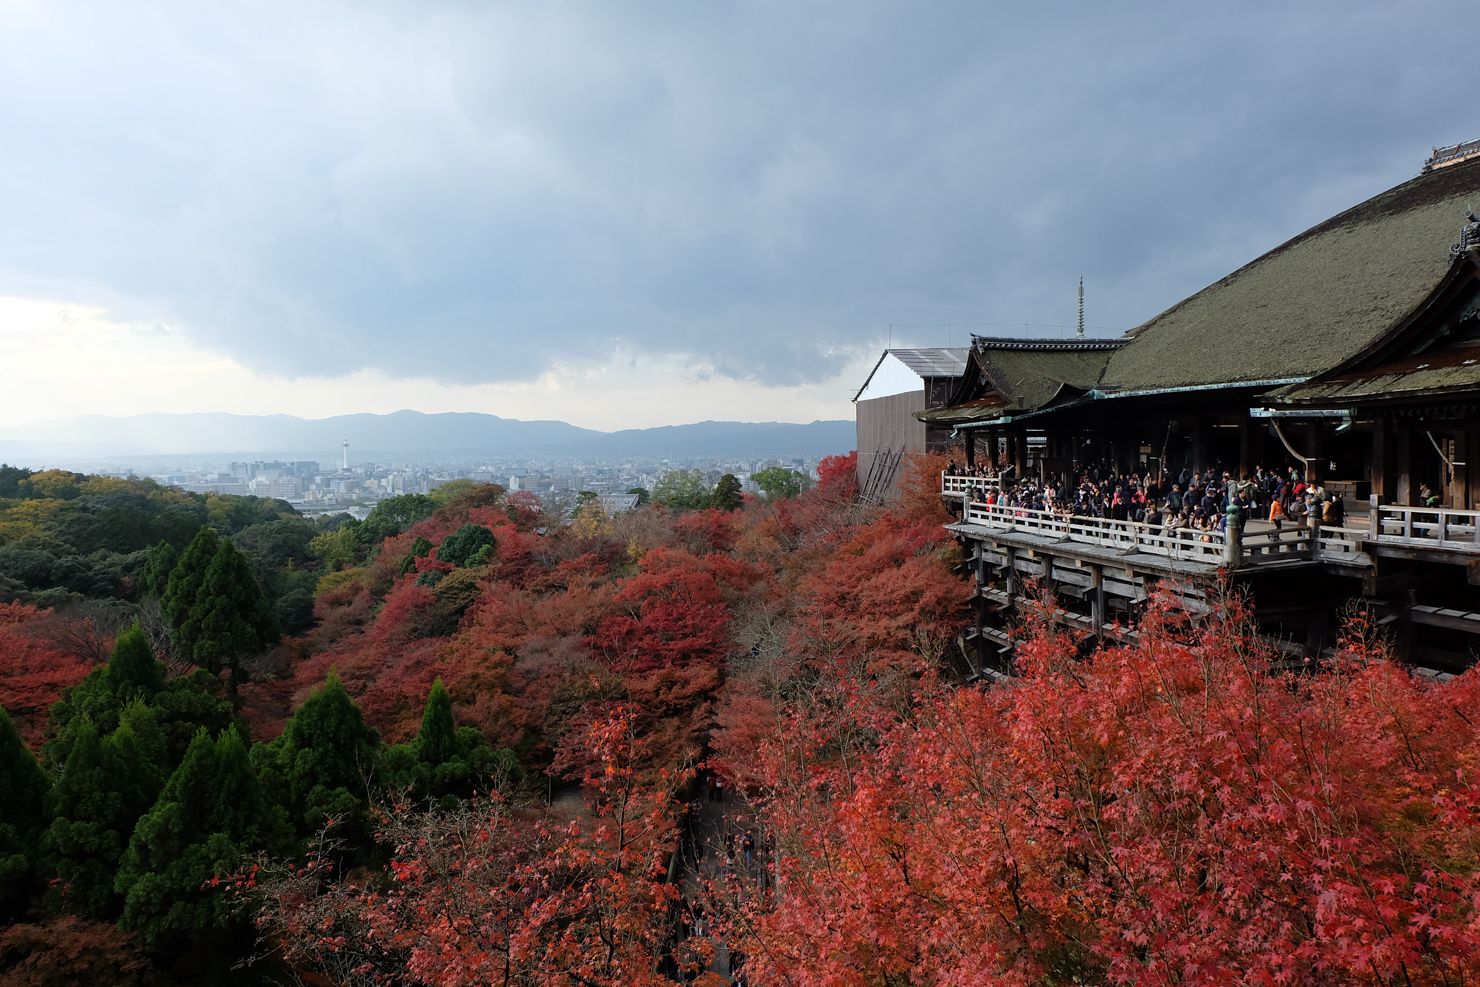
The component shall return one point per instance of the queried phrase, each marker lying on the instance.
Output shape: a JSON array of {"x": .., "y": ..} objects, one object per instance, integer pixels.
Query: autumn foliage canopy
[{"x": 472, "y": 769}]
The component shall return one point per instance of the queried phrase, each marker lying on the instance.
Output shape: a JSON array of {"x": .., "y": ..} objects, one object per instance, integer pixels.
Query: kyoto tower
[{"x": 345, "y": 464}]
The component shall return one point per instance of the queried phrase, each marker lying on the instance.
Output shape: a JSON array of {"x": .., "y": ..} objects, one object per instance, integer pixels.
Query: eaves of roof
[{"x": 1090, "y": 397}]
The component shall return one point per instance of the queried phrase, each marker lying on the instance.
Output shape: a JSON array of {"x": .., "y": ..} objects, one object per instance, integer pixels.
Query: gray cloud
[{"x": 470, "y": 191}]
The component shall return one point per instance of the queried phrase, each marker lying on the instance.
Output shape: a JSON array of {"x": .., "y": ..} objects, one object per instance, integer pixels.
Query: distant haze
[{"x": 403, "y": 435}]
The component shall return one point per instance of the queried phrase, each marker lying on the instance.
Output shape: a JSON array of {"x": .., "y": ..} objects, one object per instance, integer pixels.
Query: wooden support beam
[
  {"x": 1097, "y": 600},
  {"x": 1403, "y": 463},
  {"x": 1315, "y": 441},
  {"x": 1315, "y": 630},
  {"x": 1455, "y": 620},
  {"x": 1459, "y": 486},
  {"x": 1472, "y": 466},
  {"x": 1382, "y": 454},
  {"x": 1244, "y": 428}
]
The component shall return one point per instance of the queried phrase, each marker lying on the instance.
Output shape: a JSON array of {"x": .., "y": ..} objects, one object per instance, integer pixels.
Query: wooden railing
[
  {"x": 1190, "y": 544},
  {"x": 967, "y": 484},
  {"x": 1124, "y": 536},
  {"x": 1425, "y": 527}
]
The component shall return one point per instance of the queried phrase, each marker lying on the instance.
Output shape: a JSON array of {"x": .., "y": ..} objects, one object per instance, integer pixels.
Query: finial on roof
[{"x": 1081, "y": 306}]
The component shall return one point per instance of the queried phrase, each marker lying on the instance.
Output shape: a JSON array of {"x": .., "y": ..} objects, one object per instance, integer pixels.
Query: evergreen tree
[
  {"x": 132, "y": 670},
  {"x": 103, "y": 790},
  {"x": 154, "y": 578},
  {"x": 184, "y": 584},
  {"x": 209, "y": 815},
  {"x": 727, "y": 494},
  {"x": 420, "y": 549},
  {"x": 437, "y": 740},
  {"x": 183, "y": 705},
  {"x": 23, "y": 788},
  {"x": 465, "y": 543},
  {"x": 321, "y": 763},
  {"x": 230, "y": 617},
  {"x": 190, "y": 703},
  {"x": 444, "y": 761}
]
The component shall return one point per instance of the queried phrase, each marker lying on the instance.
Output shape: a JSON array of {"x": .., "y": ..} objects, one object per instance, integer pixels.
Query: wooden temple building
[
  {"x": 903, "y": 382},
  {"x": 1351, "y": 352}
]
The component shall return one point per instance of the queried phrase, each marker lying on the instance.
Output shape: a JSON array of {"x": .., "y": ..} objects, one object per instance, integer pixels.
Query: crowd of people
[{"x": 1199, "y": 501}]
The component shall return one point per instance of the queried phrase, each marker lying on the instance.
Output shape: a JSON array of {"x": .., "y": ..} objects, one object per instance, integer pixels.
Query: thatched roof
[
  {"x": 1424, "y": 376},
  {"x": 1312, "y": 302},
  {"x": 1004, "y": 377},
  {"x": 1310, "y": 306}
]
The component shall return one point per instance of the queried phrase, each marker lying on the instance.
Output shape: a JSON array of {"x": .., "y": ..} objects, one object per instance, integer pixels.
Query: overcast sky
[{"x": 629, "y": 214}]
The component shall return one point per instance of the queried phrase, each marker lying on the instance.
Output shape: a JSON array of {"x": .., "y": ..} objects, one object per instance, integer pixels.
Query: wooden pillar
[
  {"x": 1382, "y": 454},
  {"x": 1459, "y": 486},
  {"x": 1315, "y": 443},
  {"x": 1245, "y": 467},
  {"x": 1019, "y": 452},
  {"x": 1200, "y": 444},
  {"x": 1472, "y": 466},
  {"x": 1403, "y": 464},
  {"x": 1316, "y": 621},
  {"x": 1078, "y": 452},
  {"x": 981, "y": 606},
  {"x": 971, "y": 449},
  {"x": 1097, "y": 599}
]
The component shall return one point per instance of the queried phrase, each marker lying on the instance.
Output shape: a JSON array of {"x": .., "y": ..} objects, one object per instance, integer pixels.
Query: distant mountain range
[{"x": 402, "y": 435}]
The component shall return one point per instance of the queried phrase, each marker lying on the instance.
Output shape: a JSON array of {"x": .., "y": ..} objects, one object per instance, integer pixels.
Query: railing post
[
  {"x": 1315, "y": 530},
  {"x": 1233, "y": 538},
  {"x": 1374, "y": 521}
]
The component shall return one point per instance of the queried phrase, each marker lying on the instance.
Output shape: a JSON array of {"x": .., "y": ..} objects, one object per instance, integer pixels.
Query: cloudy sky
[{"x": 631, "y": 214}]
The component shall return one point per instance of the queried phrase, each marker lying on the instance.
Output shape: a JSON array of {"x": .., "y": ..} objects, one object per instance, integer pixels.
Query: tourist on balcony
[{"x": 1335, "y": 511}]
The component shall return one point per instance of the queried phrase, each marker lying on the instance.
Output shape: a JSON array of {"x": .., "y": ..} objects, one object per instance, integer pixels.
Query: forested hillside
[{"x": 471, "y": 762}]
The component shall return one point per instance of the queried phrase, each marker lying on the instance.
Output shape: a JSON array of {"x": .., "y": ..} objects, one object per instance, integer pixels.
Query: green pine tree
[
  {"x": 230, "y": 617},
  {"x": 154, "y": 578},
  {"x": 444, "y": 761},
  {"x": 420, "y": 549},
  {"x": 132, "y": 669},
  {"x": 437, "y": 740},
  {"x": 105, "y": 787},
  {"x": 23, "y": 787},
  {"x": 727, "y": 494},
  {"x": 319, "y": 767},
  {"x": 464, "y": 543},
  {"x": 184, "y": 704},
  {"x": 184, "y": 584},
  {"x": 209, "y": 815}
]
